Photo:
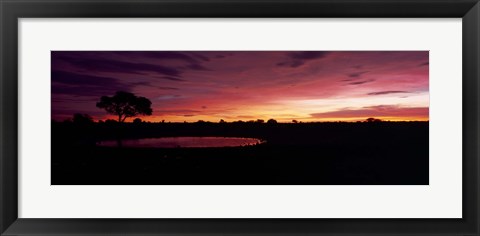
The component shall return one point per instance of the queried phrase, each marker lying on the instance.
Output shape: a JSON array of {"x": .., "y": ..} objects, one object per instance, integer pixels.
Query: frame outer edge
[
  {"x": 471, "y": 117},
  {"x": 476, "y": 65},
  {"x": 477, "y": 200},
  {"x": 2, "y": 179},
  {"x": 8, "y": 116}
]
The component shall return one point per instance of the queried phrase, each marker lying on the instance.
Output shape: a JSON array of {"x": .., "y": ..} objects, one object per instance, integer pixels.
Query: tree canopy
[
  {"x": 125, "y": 104},
  {"x": 371, "y": 119},
  {"x": 82, "y": 119},
  {"x": 271, "y": 121}
]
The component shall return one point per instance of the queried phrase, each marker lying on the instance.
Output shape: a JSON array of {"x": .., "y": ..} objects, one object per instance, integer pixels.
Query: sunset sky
[{"x": 246, "y": 85}]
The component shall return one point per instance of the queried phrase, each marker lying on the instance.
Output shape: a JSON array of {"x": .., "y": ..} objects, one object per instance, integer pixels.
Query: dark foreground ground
[{"x": 387, "y": 153}]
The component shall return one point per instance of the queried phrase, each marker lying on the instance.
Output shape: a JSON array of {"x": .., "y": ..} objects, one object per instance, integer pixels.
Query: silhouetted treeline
[{"x": 87, "y": 132}]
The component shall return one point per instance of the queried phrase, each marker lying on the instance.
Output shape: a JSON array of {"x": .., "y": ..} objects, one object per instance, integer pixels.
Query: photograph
[{"x": 239, "y": 117}]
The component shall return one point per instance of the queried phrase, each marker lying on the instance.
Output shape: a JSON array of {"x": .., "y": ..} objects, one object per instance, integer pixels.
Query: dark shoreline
[{"x": 386, "y": 153}]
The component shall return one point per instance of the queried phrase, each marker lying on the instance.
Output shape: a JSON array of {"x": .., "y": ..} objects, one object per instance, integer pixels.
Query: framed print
[{"x": 255, "y": 118}]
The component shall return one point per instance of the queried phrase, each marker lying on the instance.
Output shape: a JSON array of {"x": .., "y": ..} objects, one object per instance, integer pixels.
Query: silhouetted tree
[
  {"x": 294, "y": 121},
  {"x": 82, "y": 119},
  {"x": 221, "y": 121},
  {"x": 124, "y": 105},
  {"x": 260, "y": 121},
  {"x": 373, "y": 120},
  {"x": 271, "y": 121},
  {"x": 137, "y": 121},
  {"x": 110, "y": 121}
]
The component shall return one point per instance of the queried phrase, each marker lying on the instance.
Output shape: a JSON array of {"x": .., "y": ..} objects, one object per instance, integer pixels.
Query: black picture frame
[{"x": 12, "y": 10}]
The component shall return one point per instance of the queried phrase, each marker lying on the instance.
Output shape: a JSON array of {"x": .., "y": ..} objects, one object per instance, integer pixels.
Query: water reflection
[{"x": 187, "y": 142}]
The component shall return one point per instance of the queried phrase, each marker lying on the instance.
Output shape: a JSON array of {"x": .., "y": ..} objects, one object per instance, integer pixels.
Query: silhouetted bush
[
  {"x": 82, "y": 119},
  {"x": 272, "y": 121}
]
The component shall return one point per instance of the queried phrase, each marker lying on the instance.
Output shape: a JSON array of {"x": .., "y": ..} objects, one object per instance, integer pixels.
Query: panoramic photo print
[{"x": 240, "y": 117}]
